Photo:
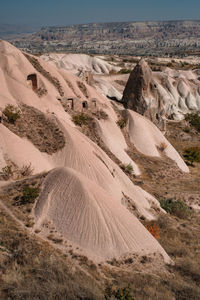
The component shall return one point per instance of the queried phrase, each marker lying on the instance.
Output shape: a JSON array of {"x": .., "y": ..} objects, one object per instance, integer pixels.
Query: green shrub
[
  {"x": 192, "y": 154},
  {"x": 176, "y": 208},
  {"x": 122, "y": 122},
  {"x": 124, "y": 71},
  {"x": 194, "y": 120},
  {"x": 29, "y": 194},
  {"x": 186, "y": 129},
  {"x": 12, "y": 113},
  {"x": 127, "y": 168},
  {"x": 81, "y": 119}
]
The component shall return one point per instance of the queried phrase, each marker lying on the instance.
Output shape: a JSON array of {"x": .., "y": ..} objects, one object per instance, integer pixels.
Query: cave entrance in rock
[
  {"x": 70, "y": 103},
  {"x": 84, "y": 105},
  {"x": 33, "y": 79}
]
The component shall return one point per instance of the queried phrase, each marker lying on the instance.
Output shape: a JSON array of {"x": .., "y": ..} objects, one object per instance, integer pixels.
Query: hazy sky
[{"x": 64, "y": 12}]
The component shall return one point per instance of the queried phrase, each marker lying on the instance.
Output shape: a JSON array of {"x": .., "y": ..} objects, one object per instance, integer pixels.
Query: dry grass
[
  {"x": 179, "y": 281},
  {"x": 32, "y": 269},
  {"x": 43, "y": 132}
]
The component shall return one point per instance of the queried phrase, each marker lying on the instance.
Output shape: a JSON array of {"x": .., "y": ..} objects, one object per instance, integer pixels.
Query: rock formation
[
  {"x": 141, "y": 94},
  {"x": 161, "y": 95}
]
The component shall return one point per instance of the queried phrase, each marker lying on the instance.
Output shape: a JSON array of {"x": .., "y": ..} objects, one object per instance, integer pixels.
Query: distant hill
[
  {"x": 8, "y": 31},
  {"x": 161, "y": 38},
  {"x": 122, "y": 30}
]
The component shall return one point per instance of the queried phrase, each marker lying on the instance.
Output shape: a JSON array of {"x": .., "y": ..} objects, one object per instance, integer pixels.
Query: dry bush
[
  {"x": 162, "y": 146},
  {"x": 6, "y": 173},
  {"x": 122, "y": 123},
  {"x": 81, "y": 119},
  {"x": 154, "y": 230},
  {"x": 26, "y": 170}
]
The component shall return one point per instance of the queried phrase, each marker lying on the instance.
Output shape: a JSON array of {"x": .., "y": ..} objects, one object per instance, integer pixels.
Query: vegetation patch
[
  {"x": 124, "y": 71},
  {"x": 101, "y": 115},
  {"x": 122, "y": 122},
  {"x": 35, "y": 270},
  {"x": 192, "y": 154},
  {"x": 12, "y": 113},
  {"x": 119, "y": 294},
  {"x": 6, "y": 173},
  {"x": 29, "y": 195},
  {"x": 176, "y": 208},
  {"x": 41, "y": 130},
  {"x": 12, "y": 171},
  {"x": 81, "y": 119},
  {"x": 194, "y": 120},
  {"x": 127, "y": 168}
]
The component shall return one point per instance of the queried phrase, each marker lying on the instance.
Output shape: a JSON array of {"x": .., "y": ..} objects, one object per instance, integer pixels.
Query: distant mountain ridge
[
  {"x": 134, "y": 38},
  {"x": 126, "y": 30}
]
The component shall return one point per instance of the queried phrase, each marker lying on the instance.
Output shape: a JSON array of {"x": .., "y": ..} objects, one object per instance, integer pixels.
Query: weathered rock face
[
  {"x": 141, "y": 95},
  {"x": 161, "y": 95}
]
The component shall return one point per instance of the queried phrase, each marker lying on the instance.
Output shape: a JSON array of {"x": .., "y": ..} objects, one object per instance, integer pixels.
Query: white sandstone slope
[
  {"x": 147, "y": 138},
  {"x": 91, "y": 218},
  {"x": 79, "y": 62},
  {"x": 20, "y": 151}
]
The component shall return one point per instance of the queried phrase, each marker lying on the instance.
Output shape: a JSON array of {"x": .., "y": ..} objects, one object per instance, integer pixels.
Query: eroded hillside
[{"x": 92, "y": 192}]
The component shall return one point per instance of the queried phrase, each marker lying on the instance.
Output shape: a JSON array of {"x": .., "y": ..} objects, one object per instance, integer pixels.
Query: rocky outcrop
[
  {"x": 162, "y": 95},
  {"x": 141, "y": 95}
]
